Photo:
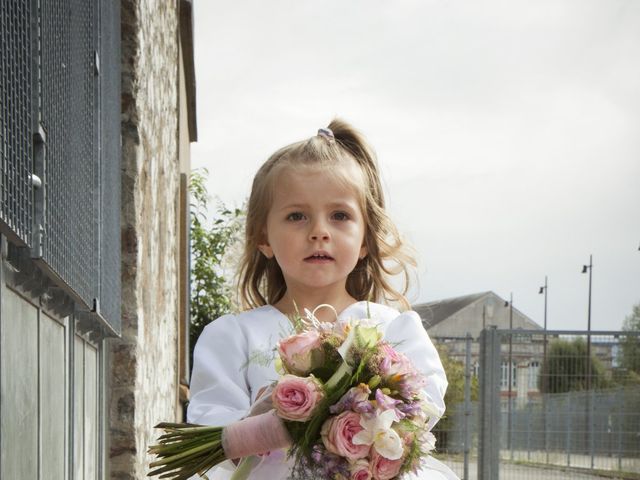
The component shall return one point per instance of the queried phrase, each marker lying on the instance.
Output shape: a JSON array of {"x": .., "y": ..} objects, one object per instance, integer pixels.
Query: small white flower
[
  {"x": 429, "y": 407},
  {"x": 428, "y": 441},
  {"x": 311, "y": 322},
  {"x": 378, "y": 432}
]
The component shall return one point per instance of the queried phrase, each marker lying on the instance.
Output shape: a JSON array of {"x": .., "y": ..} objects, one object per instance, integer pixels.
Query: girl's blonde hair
[{"x": 260, "y": 279}]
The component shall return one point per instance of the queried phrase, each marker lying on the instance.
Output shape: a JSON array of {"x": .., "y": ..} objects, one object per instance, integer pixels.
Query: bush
[{"x": 211, "y": 286}]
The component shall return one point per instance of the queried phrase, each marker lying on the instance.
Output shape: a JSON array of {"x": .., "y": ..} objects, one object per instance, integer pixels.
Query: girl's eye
[
  {"x": 295, "y": 217},
  {"x": 340, "y": 216}
]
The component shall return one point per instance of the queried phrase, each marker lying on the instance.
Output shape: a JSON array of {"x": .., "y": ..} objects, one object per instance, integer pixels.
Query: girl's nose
[
  {"x": 319, "y": 231},
  {"x": 319, "y": 236}
]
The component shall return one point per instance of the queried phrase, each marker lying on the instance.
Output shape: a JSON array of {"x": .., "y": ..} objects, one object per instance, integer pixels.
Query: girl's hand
[{"x": 263, "y": 401}]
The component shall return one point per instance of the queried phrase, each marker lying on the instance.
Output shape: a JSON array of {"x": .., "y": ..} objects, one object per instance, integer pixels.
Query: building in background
[
  {"x": 449, "y": 321},
  {"x": 96, "y": 119},
  {"x": 457, "y": 316}
]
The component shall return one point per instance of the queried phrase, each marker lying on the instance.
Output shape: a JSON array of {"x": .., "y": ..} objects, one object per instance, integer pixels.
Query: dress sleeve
[
  {"x": 219, "y": 388},
  {"x": 406, "y": 331}
]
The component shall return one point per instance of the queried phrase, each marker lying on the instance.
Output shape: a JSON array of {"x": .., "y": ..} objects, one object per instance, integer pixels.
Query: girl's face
[{"x": 315, "y": 229}]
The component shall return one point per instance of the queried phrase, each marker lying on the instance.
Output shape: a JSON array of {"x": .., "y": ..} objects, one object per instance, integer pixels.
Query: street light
[
  {"x": 589, "y": 268},
  {"x": 544, "y": 289},
  {"x": 585, "y": 269}
]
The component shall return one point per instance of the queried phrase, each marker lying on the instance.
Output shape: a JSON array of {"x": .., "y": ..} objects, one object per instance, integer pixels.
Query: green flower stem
[
  {"x": 201, "y": 467},
  {"x": 164, "y": 450},
  {"x": 245, "y": 467},
  {"x": 166, "y": 461},
  {"x": 185, "y": 450}
]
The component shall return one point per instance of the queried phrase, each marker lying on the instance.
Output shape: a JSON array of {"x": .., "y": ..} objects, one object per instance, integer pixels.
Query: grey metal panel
[
  {"x": 53, "y": 387},
  {"x": 91, "y": 423},
  {"x": 110, "y": 159},
  {"x": 18, "y": 386},
  {"x": 78, "y": 413},
  {"x": 16, "y": 148}
]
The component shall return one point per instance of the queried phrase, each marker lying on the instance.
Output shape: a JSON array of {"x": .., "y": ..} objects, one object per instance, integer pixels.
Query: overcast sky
[{"x": 508, "y": 131}]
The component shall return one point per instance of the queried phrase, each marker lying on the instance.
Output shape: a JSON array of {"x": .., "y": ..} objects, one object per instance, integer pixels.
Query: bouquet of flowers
[{"x": 347, "y": 404}]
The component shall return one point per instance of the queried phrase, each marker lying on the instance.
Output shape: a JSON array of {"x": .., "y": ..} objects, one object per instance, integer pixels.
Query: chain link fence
[{"x": 536, "y": 405}]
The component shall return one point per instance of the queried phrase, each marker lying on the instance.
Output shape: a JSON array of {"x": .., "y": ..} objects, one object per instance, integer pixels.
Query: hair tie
[{"x": 326, "y": 133}]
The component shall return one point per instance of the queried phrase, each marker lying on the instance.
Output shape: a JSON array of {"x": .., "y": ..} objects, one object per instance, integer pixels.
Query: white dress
[{"x": 228, "y": 373}]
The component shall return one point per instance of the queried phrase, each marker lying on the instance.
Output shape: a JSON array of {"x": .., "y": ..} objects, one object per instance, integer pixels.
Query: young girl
[{"x": 316, "y": 233}]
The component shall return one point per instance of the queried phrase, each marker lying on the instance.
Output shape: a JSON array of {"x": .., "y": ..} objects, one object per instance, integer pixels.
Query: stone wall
[{"x": 143, "y": 381}]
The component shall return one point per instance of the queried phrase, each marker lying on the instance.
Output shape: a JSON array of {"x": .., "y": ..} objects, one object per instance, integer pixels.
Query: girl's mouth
[{"x": 319, "y": 257}]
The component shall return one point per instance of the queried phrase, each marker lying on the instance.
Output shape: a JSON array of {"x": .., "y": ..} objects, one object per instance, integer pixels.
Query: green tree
[
  {"x": 628, "y": 372},
  {"x": 211, "y": 290},
  {"x": 631, "y": 343},
  {"x": 566, "y": 367}
]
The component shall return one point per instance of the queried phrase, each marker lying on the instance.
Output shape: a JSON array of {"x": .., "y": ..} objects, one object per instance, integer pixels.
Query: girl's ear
[
  {"x": 363, "y": 252},
  {"x": 266, "y": 250}
]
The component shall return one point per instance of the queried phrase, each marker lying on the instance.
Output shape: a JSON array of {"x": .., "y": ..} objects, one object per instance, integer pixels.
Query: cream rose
[{"x": 300, "y": 353}]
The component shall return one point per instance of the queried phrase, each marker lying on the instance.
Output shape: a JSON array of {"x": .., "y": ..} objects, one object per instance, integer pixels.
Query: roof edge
[{"x": 186, "y": 42}]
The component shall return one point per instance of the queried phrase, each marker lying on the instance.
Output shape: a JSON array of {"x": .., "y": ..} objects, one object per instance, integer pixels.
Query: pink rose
[
  {"x": 360, "y": 470},
  {"x": 299, "y": 353},
  {"x": 296, "y": 398},
  {"x": 337, "y": 434},
  {"x": 383, "y": 468}
]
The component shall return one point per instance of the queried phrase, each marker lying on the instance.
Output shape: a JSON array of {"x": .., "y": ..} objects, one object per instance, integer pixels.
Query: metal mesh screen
[
  {"x": 51, "y": 72},
  {"x": 15, "y": 120},
  {"x": 110, "y": 162},
  {"x": 69, "y": 117}
]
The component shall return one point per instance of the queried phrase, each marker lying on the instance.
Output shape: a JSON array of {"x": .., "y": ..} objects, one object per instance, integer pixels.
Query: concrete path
[{"x": 514, "y": 471}]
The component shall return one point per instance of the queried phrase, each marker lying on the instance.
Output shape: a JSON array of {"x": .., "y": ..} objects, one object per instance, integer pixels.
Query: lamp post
[
  {"x": 544, "y": 289},
  {"x": 589, "y": 268}
]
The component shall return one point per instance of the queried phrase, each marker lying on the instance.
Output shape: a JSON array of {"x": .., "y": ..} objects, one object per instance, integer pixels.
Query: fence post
[
  {"x": 545, "y": 404},
  {"x": 529, "y": 415},
  {"x": 489, "y": 441},
  {"x": 568, "y": 445},
  {"x": 467, "y": 406}
]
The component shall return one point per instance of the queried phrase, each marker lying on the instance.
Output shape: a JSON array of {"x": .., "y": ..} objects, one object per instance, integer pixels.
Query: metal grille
[
  {"x": 69, "y": 117},
  {"x": 110, "y": 162},
  {"x": 15, "y": 120},
  {"x": 61, "y": 121}
]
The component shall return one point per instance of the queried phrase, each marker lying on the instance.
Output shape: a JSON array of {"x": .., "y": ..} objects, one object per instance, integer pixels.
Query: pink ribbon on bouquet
[{"x": 255, "y": 436}]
